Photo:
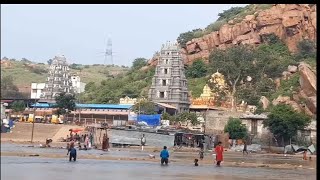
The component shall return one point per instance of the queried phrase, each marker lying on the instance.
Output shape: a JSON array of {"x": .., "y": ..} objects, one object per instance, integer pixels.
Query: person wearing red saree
[{"x": 219, "y": 153}]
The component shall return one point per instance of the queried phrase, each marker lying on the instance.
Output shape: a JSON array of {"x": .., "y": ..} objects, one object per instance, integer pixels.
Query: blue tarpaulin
[{"x": 150, "y": 120}]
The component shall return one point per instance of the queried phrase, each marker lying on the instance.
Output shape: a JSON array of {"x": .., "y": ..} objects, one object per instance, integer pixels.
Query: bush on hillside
[
  {"x": 306, "y": 49},
  {"x": 197, "y": 69}
]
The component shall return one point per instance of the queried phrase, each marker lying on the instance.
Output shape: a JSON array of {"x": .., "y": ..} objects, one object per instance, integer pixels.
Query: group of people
[{"x": 164, "y": 154}]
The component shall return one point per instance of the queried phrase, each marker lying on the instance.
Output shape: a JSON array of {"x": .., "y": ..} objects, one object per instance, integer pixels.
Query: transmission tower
[{"x": 108, "y": 53}]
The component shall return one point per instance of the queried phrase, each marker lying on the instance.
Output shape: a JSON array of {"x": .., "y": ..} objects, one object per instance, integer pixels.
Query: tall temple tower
[
  {"x": 58, "y": 80},
  {"x": 169, "y": 84}
]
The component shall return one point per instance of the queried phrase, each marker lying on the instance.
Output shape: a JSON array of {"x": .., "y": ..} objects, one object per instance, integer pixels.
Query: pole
[
  {"x": 79, "y": 100},
  {"x": 33, "y": 119},
  {"x": 139, "y": 110}
]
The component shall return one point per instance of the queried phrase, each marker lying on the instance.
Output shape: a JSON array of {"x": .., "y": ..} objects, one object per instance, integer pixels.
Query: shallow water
[
  {"x": 33, "y": 168},
  {"x": 130, "y": 153}
]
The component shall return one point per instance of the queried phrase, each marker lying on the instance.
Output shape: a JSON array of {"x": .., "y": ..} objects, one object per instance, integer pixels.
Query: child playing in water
[
  {"x": 73, "y": 153},
  {"x": 164, "y": 154},
  {"x": 196, "y": 162}
]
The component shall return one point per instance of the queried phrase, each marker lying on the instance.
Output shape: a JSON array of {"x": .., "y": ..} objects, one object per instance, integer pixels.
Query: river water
[{"x": 35, "y": 168}]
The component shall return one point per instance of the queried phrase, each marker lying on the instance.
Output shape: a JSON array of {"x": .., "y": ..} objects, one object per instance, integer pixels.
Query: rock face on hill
[{"x": 290, "y": 22}]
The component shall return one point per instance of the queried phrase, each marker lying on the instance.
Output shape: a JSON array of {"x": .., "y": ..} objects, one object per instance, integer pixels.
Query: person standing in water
[
  {"x": 245, "y": 148},
  {"x": 143, "y": 141},
  {"x": 219, "y": 153},
  {"x": 73, "y": 152},
  {"x": 164, "y": 155}
]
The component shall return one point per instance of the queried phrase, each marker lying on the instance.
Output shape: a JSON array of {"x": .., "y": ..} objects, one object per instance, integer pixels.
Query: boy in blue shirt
[{"x": 164, "y": 154}]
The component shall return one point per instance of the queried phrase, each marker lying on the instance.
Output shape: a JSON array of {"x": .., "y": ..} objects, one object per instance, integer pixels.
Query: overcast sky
[{"x": 80, "y": 32}]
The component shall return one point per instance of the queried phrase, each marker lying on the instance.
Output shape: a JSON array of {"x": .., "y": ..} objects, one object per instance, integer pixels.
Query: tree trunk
[{"x": 233, "y": 99}]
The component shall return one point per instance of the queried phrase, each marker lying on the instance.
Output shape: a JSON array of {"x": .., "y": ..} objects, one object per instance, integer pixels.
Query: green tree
[
  {"x": 197, "y": 69},
  {"x": 139, "y": 63},
  {"x": 145, "y": 107},
  {"x": 230, "y": 13},
  {"x": 236, "y": 129},
  {"x": 166, "y": 116},
  {"x": 65, "y": 103},
  {"x": 18, "y": 106},
  {"x": 273, "y": 57},
  {"x": 284, "y": 122},
  {"x": 235, "y": 64},
  {"x": 90, "y": 86},
  {"x": 193, "y": 118},
  {"x": 185, "y": 37},
  {"x": 306, "y": 49},
  {"x": 187, "y": 117}
]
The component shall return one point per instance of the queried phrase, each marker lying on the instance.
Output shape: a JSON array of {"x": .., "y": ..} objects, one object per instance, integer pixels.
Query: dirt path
[{"x": 23, "y": 132}]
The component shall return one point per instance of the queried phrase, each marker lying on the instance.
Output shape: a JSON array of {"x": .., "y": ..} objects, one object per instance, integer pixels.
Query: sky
[{"x": 80, "y": 32}]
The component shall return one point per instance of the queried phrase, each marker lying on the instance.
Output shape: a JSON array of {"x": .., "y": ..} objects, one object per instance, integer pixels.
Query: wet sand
[{"x": 231, "y": 159}]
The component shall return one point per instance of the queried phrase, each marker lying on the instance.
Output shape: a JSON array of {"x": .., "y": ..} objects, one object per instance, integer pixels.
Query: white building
[
  {"x": 77, "y": 84},
  {"x": 37, "y": 90}
]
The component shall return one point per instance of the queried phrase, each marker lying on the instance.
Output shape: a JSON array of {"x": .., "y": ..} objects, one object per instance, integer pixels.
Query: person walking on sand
[
  {"x": 219, "y": 153},
  {"x": 143, "y": 141},
  {"x": 244, "y": 148},
  {"x": 104, "y": 142},
  {"x": 107, "y": 142},
  {"x": 201, "y": 153},
  {"x": 164, "y": 155}
]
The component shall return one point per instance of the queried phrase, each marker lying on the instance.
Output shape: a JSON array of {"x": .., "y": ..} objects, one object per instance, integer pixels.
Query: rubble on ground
[{"x": 250, "y": 148}]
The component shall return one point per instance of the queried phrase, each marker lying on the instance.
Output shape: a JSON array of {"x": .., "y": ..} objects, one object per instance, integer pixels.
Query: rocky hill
[
  {"x": 25, "y": 72},
  {"x": 290, "y": 22}
]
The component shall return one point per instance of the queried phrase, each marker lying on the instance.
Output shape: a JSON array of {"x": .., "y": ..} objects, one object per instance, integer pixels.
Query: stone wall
[
  {"x": 133, "y": 138},
  {"x": 216, "y": 120}
]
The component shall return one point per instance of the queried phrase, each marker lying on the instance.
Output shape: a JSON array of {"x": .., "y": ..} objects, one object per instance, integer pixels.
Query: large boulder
[
  {"x": 292, "y": 69},
  {"x": 308, "y": 80},
  {"x": 311, "y": 103},
  {"x": 292, "y": 18},
  {"x": 265, "y": 102},
  {"x": 286, "y": 75},
  {"x": 280, "y": 99},
  {"x": 225, "y": 33}
]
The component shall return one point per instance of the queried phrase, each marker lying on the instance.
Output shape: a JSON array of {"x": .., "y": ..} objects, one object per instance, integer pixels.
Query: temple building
[
  {"x": 169, "y": 84},
  {"x": 58, "y": 80},
  {"x": 209, "y": 96}
]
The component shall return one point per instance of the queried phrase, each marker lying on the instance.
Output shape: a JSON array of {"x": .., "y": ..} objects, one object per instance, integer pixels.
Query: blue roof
[{"x": 89, "y": 106}]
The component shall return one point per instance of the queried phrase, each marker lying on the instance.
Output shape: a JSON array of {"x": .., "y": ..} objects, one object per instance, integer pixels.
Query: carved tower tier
[
  {"x": 58, "y": 80},
  {"x": 169, "y": 84}
]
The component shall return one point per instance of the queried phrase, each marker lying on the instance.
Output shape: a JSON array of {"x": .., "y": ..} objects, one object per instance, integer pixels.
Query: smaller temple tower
[
  {"x": 169, "y": 84},
  {"x": 58, "y": 80}
]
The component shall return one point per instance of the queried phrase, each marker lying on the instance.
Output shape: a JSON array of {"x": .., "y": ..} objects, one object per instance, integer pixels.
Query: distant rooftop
[
  {"x": 88, "y": 106},
  {"x": 170, "y": 46}
]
